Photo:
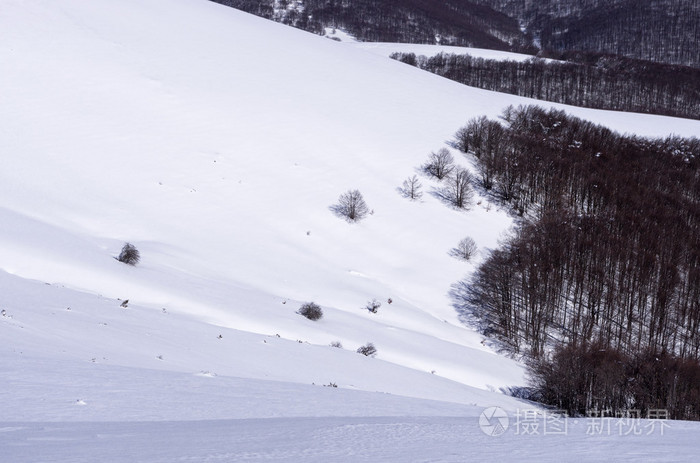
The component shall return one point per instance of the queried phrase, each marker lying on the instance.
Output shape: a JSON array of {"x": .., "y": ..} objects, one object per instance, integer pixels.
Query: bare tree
[
  {"x": 411, "y": 188},
  {"x": 458, "y": 189},
  {"x": 311, "y": 311},
  {"x": 439, "y": 164},
  {"x": 367, "y": 350},
  {"x": 351, "y": 205},
  {"x": 465, "y": 249},
  {"x": 129, "y": 254}
]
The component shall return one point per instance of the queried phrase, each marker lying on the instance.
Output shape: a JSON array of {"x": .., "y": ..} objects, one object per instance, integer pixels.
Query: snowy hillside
[
  {"x": 216, "y": 142},
  {"x": 386, "y": 49}
]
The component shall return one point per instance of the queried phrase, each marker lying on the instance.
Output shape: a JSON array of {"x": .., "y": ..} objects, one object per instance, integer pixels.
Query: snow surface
[
  {"x": 339, "y": 35},
  {"x": 216, "y": 142},
  {"x": 386, "y": 49},
  {"x": 337, "y": 439}
]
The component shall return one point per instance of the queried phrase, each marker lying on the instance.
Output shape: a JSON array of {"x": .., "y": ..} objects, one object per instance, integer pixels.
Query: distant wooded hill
[
  {"x": 449, "y": 22},
  {"x": 664, "y": 31},
  {"x": 588, "y": 80}
]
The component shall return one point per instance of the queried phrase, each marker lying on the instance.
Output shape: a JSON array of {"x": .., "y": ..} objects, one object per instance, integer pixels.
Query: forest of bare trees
[
  {"x": 665, "y": 31},
  {"x": 593, "y": 379},
  {"x": 608, "y": 246},
  {"x": 449, "y": 22},
  {"x": 594, "y": 81}
]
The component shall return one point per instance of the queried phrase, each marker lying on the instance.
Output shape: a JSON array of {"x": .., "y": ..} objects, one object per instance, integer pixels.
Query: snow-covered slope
[
  {"x": 215, "y": 142},
  {"x": 386, "y": 49}
]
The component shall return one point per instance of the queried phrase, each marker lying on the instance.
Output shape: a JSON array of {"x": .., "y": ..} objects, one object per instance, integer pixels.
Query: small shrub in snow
[
  {"x": 129, "y": 254},
  {"x": 368, "y": 350},
  {"x": 337, "y": 344},
  {"x": 411, "y": 188},
  {"x": 373, "y": 305},
  {"x": 311, "y": 311},
  {"x": 465, "y": 249},
  {"x": 351, "y": 206}
]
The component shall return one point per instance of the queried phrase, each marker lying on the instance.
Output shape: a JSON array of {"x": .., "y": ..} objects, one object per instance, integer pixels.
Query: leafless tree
[
  {"x": 465, "y": 249},
  {"x": 311, "y": 311},
  {"x": 411, "y": 188},
  {"x": 368, "y": 350},
  {"x": 458, "y": 189},
  {"x": 129, "y": 254},
  {"x": 351, "y": 205},
  {"x": 439, "y": 164}
]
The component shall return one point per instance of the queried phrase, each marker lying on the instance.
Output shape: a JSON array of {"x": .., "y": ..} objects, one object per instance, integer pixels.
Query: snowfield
[
  {"x": 216, "y": 142},
  {"x": 386, "y": 49}
]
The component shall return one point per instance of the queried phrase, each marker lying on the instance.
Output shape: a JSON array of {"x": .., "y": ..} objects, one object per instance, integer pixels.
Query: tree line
[
  {"x": 665, "y": 31},
  {"x": 607, "y": 250},
  {"x": 448, "y": 22},
  {"x": 595, "y": 379},
  {"x": 595, "y": 81}
]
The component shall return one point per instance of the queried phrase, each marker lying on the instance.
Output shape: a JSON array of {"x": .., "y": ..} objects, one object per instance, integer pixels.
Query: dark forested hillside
[
  {"x": 666, "y": 31},
  {"x": 450, "y": 22},
  {"x": 588, "y": 80},
  {"x": 607, "y": 253},
  {"x": 610, "y": 245}
]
